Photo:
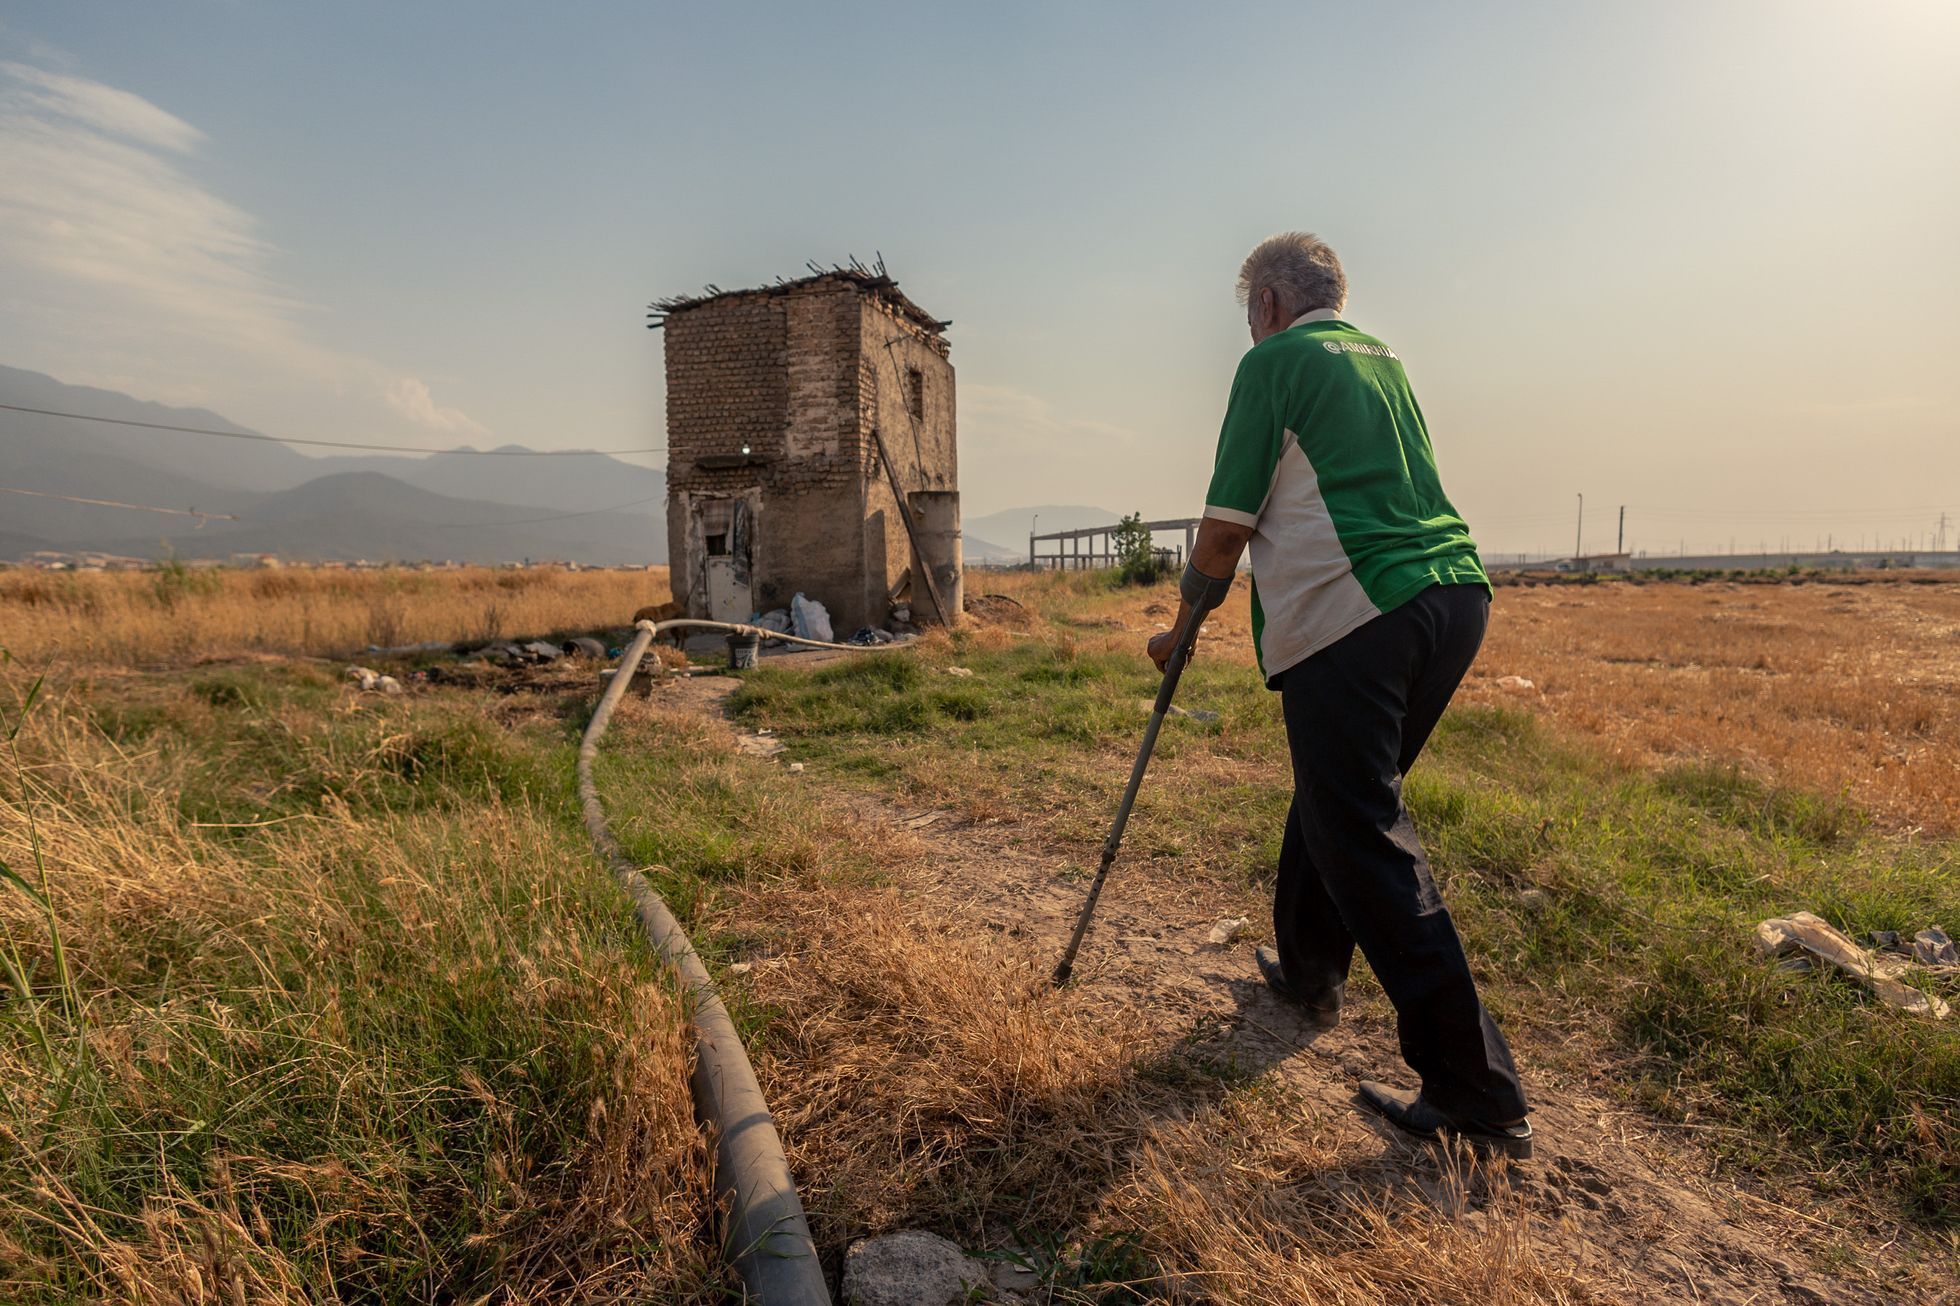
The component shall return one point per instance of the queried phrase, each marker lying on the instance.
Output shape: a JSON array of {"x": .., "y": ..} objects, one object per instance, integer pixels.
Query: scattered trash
[
  {"x": 373, "y": 682},
  {"x": 796, "y": 768},
  {"x": 776, "y": 619},
  {"x": 1514, "y": 682},
  {"x": 544, "y": 650},
  {"x": 1229, "y": 930},
  {"x": 868, "y": 635},
  {"x": 809, "y": 619},
  {"x": 1932, "y": 947},
  {"x": 1803, "y": 936},
  {"x": 740, "y": 967},
  {"x": 586, "y": 647},
  {"x": 759, "y": 745},
  {"x": 1887, "y": 941},
  {"x": 1190, "y": 714},
  {"x": 961, "y": 672}
]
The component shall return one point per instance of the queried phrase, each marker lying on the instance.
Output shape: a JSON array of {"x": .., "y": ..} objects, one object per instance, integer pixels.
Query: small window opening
[
  {"x": 915, "y": 392},
  {"x": 717, "y": 546}
]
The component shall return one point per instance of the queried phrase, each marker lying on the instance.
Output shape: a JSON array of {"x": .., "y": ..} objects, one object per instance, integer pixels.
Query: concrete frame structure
[
  {"x": 779, "y": 399},
  {"x": 1088, "y": 547}
]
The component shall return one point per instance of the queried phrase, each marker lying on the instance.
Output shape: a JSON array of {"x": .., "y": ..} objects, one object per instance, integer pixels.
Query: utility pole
[
  {"x": 1621, "y": 547},
  {"x": 1579, "y": 536}
]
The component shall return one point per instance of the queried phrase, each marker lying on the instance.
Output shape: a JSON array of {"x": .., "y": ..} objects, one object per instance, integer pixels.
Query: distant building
[{"x": 778, "y": 399}]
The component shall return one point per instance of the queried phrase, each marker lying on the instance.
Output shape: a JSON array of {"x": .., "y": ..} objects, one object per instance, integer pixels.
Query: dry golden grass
[
  {"x": 1837, "y": 689},
  {"x": 926, "y": 1076},
  {"x": 1843, "y": 689},
  {"x": 174, "y": 616},
  {"x": 359, "y": 1051}
]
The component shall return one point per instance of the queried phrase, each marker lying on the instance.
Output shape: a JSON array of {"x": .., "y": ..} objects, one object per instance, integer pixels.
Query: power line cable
[
  {"x": 202, "y": 517},
  {"x": 330, "y": 444}
]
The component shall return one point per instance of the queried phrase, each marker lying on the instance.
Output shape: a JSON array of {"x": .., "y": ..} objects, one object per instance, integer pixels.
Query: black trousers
[{"x": 1351, "y": 870}]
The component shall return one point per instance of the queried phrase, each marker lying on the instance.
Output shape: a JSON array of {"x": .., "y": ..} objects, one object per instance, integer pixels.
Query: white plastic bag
[{"x": 811, "y": 619}]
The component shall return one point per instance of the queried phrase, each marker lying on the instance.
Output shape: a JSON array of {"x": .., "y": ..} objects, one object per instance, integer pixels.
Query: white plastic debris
[
  {"x": 810, "y": 619},
  {"x": 1514, "y": 682},
  {"x": 1932, "y": 947},
  {"x": 740, "y": 967},
  {"x": 386, "y": 684},
  {"x": 961, "y": 672},
  {"x": 796, "y": 768},
  {"x": 363, "y": 677},
  {"x": 1813, "y": 937},
  {"x": 1229, "y": 930}
]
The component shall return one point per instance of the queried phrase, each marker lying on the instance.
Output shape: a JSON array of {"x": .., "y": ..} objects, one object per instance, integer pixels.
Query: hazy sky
[{"x": 1697, "y": 258}]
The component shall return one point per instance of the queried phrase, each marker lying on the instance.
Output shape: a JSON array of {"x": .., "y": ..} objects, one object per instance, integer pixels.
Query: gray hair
[{"x": 1299, "y": 268}]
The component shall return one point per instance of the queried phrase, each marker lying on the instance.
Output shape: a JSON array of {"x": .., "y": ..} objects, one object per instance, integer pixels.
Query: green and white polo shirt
[{"x": 1325, "y": 456}]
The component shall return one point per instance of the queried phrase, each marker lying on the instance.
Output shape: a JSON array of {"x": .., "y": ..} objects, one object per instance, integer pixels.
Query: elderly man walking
[{"x": 1368, "y": 606}]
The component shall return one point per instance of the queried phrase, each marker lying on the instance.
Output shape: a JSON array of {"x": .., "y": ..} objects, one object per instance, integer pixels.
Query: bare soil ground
[{"x": 1615, "y": 1206}]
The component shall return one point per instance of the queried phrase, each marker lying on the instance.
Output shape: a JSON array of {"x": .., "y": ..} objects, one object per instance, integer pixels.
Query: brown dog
[{"x": 658, "y": 612}]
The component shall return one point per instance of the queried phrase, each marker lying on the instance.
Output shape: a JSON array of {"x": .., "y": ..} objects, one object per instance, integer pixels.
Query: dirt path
[{"x": 1623, "y": 1202}]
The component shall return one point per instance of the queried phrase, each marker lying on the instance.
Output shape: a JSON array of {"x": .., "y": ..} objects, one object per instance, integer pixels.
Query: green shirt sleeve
[{"x": 1249, "y": 445}]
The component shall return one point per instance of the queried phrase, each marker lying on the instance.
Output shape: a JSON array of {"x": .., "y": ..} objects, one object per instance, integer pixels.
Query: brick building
[{"x": 778, "y": 399}]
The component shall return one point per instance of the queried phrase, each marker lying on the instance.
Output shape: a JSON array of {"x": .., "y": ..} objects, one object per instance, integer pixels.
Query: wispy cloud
[
  {"x": 98, "y": 214},
  {"x": 119, "y": 262},
  {"x": 101, "y": 107},
  {"x": 410, "y": 397}
]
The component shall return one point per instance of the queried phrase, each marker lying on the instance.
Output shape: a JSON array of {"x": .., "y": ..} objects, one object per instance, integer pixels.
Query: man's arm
[{"x": 1216, "y": 553}]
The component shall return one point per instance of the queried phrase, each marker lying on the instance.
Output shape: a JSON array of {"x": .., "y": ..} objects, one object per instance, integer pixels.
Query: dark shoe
[
  {"x": 1410, "y": 1113},
  {"x": 1325, "y": 1013}
]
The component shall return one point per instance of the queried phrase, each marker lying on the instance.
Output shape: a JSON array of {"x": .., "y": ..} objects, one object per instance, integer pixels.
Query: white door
[{"x": 728, "y": 598}]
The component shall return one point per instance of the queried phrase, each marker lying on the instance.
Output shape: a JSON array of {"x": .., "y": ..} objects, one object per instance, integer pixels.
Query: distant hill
[
  {"x": 368, "y": 515},
  {"x": 988, "y": 554},
  {"x": 379, "y": 506}
]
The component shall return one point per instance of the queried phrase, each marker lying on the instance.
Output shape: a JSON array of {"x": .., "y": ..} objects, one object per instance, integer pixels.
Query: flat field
[
  {"x": 178, "y": 616},
  {"x": 316, "y": 995},
  {"x": 1840, "y": 689}
]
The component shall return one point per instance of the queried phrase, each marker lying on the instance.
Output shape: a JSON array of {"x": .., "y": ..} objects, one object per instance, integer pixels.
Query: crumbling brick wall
[{"x": 772, "y": 396}]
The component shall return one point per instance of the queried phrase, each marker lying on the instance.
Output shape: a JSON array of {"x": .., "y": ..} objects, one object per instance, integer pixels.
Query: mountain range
[
  {"x": 384, "y": 507},
  {"x": 459, "y": 505}
]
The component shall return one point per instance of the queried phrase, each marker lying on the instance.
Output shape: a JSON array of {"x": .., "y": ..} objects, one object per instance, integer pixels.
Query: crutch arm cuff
[{"x": 1203, "y": 592}]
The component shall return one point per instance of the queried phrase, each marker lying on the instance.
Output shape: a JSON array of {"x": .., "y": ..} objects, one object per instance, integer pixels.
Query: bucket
[{"x": 743, "y": 651}]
